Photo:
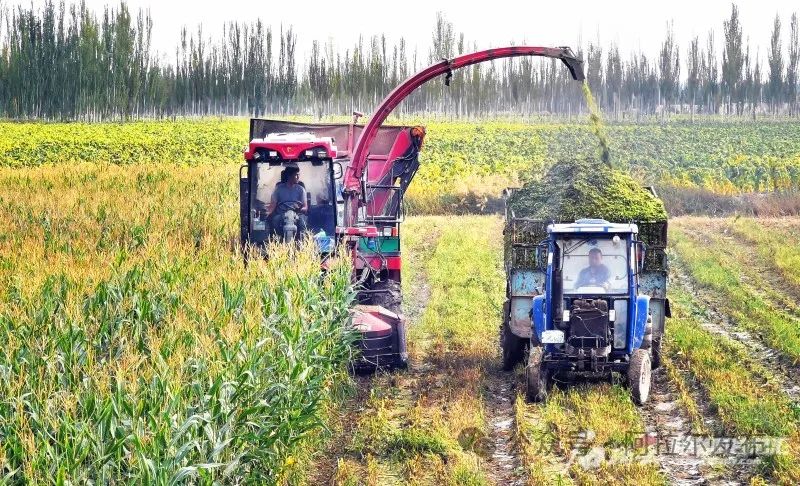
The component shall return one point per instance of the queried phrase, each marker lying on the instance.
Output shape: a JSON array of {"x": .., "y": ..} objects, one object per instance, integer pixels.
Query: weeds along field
[
  {"x": 465, "y": 165},
  {"x": 137, "y": 348}
]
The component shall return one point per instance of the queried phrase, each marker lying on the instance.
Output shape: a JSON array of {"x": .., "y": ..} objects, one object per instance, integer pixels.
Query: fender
[
  {"x": 352, "y": 176},
  {"x": 538, "y": 318},
  {"x": 637, "y": 331}
]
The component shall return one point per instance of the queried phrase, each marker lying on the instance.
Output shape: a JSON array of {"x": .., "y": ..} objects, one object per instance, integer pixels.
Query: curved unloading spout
[{"x": 352, "y": 177}]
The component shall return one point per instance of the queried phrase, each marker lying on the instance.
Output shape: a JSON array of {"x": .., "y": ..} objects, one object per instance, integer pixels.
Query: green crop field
[
  {"x": 465, "y": 165},
  {"x": 138, "y": 349}
]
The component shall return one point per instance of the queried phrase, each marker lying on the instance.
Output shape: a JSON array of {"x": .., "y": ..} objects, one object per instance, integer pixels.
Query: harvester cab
[
  {"x": 595, "y": 315},
  {"x": 291, "y": 188}
]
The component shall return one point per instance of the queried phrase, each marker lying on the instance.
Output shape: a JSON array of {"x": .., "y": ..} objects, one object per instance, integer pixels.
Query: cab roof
[{"x": 593, "y": 226}]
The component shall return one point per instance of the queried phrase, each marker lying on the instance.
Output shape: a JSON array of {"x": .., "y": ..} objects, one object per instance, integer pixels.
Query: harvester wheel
[
  {"x": 401, "y": 363},
  {"x": 388, "y": 295},
  {"x": 639, "y": 371},
  {"x": 537, "y": 377},
  {"x": 513, "y": 346}
]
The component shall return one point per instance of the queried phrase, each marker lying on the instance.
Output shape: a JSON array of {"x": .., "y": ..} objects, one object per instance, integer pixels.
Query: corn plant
[{"x": 137, "y": 347}]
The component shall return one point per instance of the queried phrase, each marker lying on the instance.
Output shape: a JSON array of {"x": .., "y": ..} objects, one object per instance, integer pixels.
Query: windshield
[
  {"x": 594, "y": 265},
  {"x": 319, "y": 194}
]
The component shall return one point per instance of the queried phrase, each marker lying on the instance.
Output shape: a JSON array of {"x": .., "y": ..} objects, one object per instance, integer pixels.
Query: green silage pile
[{"x": 577, "y": 189}]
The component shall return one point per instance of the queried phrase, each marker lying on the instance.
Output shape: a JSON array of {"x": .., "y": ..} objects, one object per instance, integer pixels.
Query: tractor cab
[
  {"x": 592, "y": 317},
  {"x": 293, "y": 186},
  {"x": 593, "y": 273}
]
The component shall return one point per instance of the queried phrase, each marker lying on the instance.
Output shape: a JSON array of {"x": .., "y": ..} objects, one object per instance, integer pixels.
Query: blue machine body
[{"x": 627, "y": 312}]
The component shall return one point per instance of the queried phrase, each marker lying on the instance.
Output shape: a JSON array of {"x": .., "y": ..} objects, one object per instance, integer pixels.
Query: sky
[{"x": 632, "y": 25}]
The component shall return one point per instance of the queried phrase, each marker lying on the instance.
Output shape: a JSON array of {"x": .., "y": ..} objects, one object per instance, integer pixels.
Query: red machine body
[
  {"x": 291, "y": 146},
  {"x": 377, "y": 163}
]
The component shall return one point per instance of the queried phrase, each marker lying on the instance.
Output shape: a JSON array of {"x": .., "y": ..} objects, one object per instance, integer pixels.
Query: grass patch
[
  {"x": 431, "y": 425},
  {"x": 467, "y": 289},
  {"x": 555, "y": 436},
  {"x": 594, "y": 414},
  {"x": 761, "y": 275},
  {"x": 684, "y": 394},
  {"x": 628, "y": 474},
  {"x": 745, "y": 402},
  {"x": 721, "y": 274},
  {"x": 771, "y": 239}
]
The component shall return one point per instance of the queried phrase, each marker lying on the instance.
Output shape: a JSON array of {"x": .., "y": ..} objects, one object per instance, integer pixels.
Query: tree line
[{"x": 68, "y": 62}]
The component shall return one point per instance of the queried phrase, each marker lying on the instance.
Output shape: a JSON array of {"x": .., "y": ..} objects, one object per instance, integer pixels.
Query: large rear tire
[
  {"x": 655, "y": 351},
  {"x": 513, "y": 345},
  {"x": 537, "y": 377},
  {"x": 388, "y": 295},
  {"x": 639, "y": 376}
]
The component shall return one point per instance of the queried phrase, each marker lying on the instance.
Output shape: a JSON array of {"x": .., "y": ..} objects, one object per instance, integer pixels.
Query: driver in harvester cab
[
  {"x": 596, "y": 274},
  {"x": 289, "y": 194}
]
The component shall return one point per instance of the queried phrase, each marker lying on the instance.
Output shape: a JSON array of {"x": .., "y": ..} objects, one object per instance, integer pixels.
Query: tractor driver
[
  {"x": 289, "y": 195},
  {"x": 596, "y": 274}
]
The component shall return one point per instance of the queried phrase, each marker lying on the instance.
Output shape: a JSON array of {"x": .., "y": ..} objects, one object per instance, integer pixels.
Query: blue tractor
[{"x": 595, "y": 294}]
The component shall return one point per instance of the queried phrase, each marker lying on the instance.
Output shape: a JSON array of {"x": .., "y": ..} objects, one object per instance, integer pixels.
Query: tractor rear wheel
[
  {"x": 639, "y": 374},
  {"x": 647, "y": 339},
  {"x": 513, "y": 346},
  {"x": 655, "y": 351},
  {"x": 537, "y": 377},
  {"x": 386, "y": 294}
]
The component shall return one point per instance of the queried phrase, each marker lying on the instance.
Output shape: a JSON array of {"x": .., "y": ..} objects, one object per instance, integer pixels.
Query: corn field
[{"x": 137, "y": 348}]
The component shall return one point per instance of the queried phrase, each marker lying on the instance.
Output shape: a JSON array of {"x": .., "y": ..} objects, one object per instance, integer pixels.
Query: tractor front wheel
[
  {"x": 537, "y": 377},
  {"x": 639, "y": 374}
]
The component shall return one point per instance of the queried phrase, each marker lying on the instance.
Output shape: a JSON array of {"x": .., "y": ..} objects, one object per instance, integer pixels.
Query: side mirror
[
  {"x": 641, "y": 254},
  {"x": 338, "y": 170}
]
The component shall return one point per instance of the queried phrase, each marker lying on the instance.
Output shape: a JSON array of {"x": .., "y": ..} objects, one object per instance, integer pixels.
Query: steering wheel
[{"x": 293, "y": 205}]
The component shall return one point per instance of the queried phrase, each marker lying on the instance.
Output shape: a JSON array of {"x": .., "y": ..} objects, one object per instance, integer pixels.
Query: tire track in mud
[
  {"x": 768, "y": 364},
  {"x": 666, "y": 419},
  {"x": 503, "y": 461}
]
